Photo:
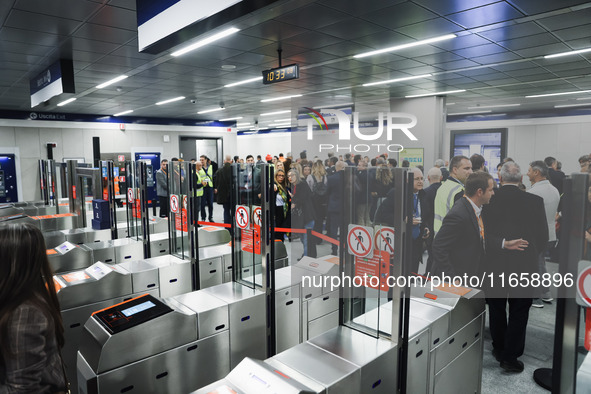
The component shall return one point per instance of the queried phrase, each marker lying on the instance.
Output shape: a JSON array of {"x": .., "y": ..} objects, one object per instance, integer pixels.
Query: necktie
[{"x": 416, "y": 229}]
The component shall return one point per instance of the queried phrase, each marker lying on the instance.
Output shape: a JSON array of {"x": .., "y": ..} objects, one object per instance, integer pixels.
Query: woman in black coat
[{"x": 302, "y": 209}]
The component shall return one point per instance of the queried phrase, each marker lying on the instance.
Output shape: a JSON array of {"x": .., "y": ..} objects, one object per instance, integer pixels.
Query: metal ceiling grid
[{"x": 497, "y": 55}]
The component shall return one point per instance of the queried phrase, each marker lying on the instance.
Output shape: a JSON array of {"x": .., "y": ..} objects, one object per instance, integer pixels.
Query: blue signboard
[{"x": 8, "y": 181}]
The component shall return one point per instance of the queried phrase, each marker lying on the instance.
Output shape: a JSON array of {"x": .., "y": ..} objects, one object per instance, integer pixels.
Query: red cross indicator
[
  {"x": 130, "y": 194},
  {"x": 257, "y": 216},
  {"x": 584, "y": 284},
  {"x": 242, "y": 216},
  {"x": 384, "y": 239},
  {"x": 174, "y": 204},
  {"x": 360, "y": 240}
]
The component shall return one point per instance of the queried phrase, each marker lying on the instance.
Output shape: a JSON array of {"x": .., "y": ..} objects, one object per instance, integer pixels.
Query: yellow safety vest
[
  {"x": 208, "y": 175},
  {"x": 200, "y": 176},
  {"x": 444, "y": 200}
]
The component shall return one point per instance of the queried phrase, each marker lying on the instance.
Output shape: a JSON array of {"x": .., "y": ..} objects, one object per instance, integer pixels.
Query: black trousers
[
  {"x": 163, "y": 202},
  {"x": 508, "y": 333}
]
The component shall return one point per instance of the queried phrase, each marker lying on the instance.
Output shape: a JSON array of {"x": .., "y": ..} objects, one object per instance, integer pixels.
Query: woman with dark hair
[
  {"x": 282, "y": 203},
  {"x": 302, "y": 209},
  {"x": 31, "y": 330}
]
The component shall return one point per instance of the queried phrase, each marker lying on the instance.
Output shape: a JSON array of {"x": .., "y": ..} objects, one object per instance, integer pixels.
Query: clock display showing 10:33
[{"x": 280, "y": 74}]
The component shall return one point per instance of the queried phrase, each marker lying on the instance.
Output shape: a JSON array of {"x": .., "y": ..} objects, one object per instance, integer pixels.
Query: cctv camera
[{"x": 193, "y": 101}]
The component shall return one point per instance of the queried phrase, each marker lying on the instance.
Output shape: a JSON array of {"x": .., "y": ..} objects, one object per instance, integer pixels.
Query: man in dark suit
[
  {"x": 512, "y": 213},
  {"x": 335, "y": 207},
  {"x": 419, "y": 229},
  {"x": 458, "y": 248}
]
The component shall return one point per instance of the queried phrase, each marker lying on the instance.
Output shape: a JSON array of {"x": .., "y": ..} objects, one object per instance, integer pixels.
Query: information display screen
[
  {"x": 281, "y": 74},
  {"x": 138, "y": 308}
]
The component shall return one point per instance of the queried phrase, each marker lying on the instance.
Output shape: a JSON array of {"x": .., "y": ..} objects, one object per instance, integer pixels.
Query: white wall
[
  {"x": 263, "y": 144},
  {"x": 565, "y": 138},
  {"x": 74, "y": 139}
]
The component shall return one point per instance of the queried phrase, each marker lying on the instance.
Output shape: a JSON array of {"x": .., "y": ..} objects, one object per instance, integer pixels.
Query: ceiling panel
[
  {"x": 430, "y": 28},
  {"x": 540, "y": 6},
  {"x": 485, "y": 15},
  {"x": 406, "y": 14}
]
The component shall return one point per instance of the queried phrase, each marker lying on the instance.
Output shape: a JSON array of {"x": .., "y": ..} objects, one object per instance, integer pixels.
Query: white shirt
[{"x": 551, "y": 198}]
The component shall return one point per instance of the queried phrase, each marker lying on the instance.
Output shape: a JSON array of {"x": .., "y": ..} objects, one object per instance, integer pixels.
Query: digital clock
[{"x": 281, "y": 74}]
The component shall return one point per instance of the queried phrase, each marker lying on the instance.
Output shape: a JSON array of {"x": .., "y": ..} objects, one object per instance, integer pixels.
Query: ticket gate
[
  {"x": 175, "y": 345},
  {"x": 69, "y": 257},
  {"x": 341, "y": 361},
  {"x": 101, "y": 285},
  {"x": 445, "y": 339},
  {"x": 76, "y": 236}
]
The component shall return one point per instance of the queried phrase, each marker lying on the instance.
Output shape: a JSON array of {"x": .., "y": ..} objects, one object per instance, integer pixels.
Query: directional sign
[
  {"x": 174, "y": 203},
  {"x": 584, "y": 284},
  {"x": 257, "y": 216},
  {"x": 130, "y": 194},
  {"x": 360, "y": 240},
  {"x": 242, "y": 216},
  {"x": 384, "y": 239}
]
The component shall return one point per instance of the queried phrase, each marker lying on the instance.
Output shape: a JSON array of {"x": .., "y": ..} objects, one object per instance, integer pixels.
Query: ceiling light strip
[
  {"x": 436, "y": 93},
  {"x": 572, "y": 105},
  {"x": 206, "y": 41},
  {"x": 568, "y": 53},
  {"x": 124, "y": 112},
  {"x": 229, "y": 119},
  {"x": 398, "y": 80},
  {"x": 495, "y": 106},
  {"x": 404, "y": 46},
  {"x": 112, "y": 81},
  {"x": 280, "y": 98},
  {"x": 558, "y": 94},
  {"x": 68, "y": 101},
  {"x": 470, "y": 113},
  {"x": 172, "y": 100},
  {"x": 244, "y": 82},
  {"x": 276, "y": 113},
  {"x": 210, "y": 110}
]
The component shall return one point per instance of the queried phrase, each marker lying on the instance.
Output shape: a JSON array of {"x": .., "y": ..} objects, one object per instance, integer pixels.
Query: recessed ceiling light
[
  {"x": 276, "y": 112},
  {"x": 124, "y": 112},
  {"x": 334, "y": 105},
  {"x": 450, "y": 103},
  {"x": 206, "y": 41},
  {"x": 558, "y": 94},
  {"x": 397, "y": 80},
  {"x": 495, "y": 106},
  {"x": 572, "y": 105},
  {"x": 210, "y": 110},
  {"x": 282, "y": 120},
  {"x": 228, "y": 67},
  {"x": 436, "y": 93},
  {"x": 243, "y": 82},
  {"x": 172, "y": 100},
  {"x": 568, "y": 53},
  {"x": 68, "y": 101},
  {"x": 470, "y": 113},
  {"x": 228, "y": 119},
  {"x": 584, "y": 98},
  {"x": 112, "y": 81},
  {"x": 242, "y": 124},
  {"x": 404, "y": 46},
  {"x": 280, "y": 98}
]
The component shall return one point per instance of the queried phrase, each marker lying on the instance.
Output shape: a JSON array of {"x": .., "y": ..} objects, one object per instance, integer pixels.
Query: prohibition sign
[
  {"x": 257, "y": 216},
  {"x": 360, "y": 240},
  {"x": 242, "y": 217},
  {"x": 129, "y": 194},
  {"x": 185, "y": 202},
  {"x": 174, "y": 203},
  {"x": 584, "y": 286},
  {"x": 384, "y": 239}
]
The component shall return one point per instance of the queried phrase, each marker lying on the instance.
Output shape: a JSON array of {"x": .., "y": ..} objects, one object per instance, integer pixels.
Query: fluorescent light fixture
[
  {"x": 242, "y": 124},
  {"x": 206, "y": 41},
  {"x": 245, "y": 81},
  {"x": 450, "y": 103},
  {"x": 282, "y": 120},
  {"x": 572, "y": 105},
  {"x": 112, "y": 81},
  {"x": 332, "y": 106},
  {"x": 68, "y": 101},
  {"x": 276, "y": 113},
  {"x": 124, "y": 112},
  {"x": 558, "y": 94},
  {"x": 210, "y": 110},
  {"x": 280, "y": 124},
  {"x": 404, "y": 46},
  {"x": 171, "y": 100},
  {"x": 397, "y": 80},
  {"x": 495, "y": 106},
  {"x": 568, "y": 53},
  {"x": 436, "y": 93},
  {"x": 228, "y": 119},
  {"x": 280, "y": 98},
  {"x": 471, "y": 113},
  {"x": 584, "y": 98}
]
